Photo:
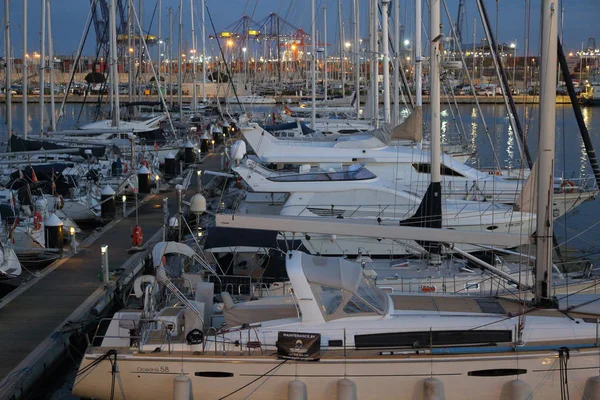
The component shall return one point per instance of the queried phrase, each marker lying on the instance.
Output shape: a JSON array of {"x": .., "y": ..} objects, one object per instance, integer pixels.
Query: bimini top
[{"x": 337, "y": 286}]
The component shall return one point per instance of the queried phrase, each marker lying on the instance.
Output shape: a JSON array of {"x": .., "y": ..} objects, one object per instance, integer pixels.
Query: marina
[{"x": 267, "y": 208}]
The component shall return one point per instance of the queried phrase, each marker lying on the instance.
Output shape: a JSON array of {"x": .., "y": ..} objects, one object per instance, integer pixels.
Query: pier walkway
[{"x": 33, "y": 312}]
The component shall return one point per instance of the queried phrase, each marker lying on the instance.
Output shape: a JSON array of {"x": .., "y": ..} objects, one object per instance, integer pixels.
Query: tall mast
[
  {"x": 179, "y": 53},
  {"x": 160, "y": 44},
  {"x": 130, "y": 50},
  {"x": 193, "y": 52},
  {"x": 357, "y": 56},
  {"x": 313, "y": 114},
  {"x": 141, "y": 47},
  {"x": 51, "y": 66},
  {"x": 342, "y": 66},
  {"x": 204, "y": 54},
  {"x": 325, "y": 53},
  {"x": 396, "y": 113},
  {"x": 25, "y": 73},
  {"x": 114, "y": 72},
  {"x": 386, "y": 60},
  {"x": 42, "y": 67},
  {"x": 434, "y": 88},
  {"x": 8, "y": 71},
  {"x": 547, "y": 132},
  {"x": 374, "y": 60},
  {"x": 171, "y": 57},
  {"x": 418, "y": 56}
]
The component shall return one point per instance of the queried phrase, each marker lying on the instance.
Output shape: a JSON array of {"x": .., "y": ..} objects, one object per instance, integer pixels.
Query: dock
[{"x": 36, "y": 317}]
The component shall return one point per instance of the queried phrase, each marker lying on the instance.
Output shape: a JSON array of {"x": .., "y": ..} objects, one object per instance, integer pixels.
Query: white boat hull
[{"x": 151, "y": 376}]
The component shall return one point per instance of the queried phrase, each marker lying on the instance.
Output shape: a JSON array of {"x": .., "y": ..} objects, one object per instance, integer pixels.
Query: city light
[
  {"x": 406, "y": 42},
  {"x": 347, "y": 45},
  {"x": 513, "y": 46},
  {"x": 230, "y": 43}
]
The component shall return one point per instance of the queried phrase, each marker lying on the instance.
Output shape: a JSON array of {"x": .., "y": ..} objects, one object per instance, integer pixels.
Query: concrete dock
[{"x": 33, "y": 316}]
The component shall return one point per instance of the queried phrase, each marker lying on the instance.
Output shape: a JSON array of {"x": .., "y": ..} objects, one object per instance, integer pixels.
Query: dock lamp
[
  {"x": 124, "y": 201},
  {"x": 73, "y": 239},
  {"x": 105, "y": 269}
]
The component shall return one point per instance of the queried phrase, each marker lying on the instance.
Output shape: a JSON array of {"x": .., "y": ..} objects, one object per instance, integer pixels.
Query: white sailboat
[{"x": 350, "y": 339}]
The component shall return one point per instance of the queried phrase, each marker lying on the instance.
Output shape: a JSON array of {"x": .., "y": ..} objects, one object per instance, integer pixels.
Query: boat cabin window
[
  {"x": 336, "y": 303},
  {"x": 347, "y": 175},
  {"x": 425, "y": 168}
]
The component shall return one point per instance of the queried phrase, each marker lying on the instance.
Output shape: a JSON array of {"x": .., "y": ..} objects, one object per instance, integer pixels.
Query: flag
[
  {"x": 287, "y": 110},
  {"x": 34, "y": 178},
  {"x": 21, "y": 176},
  {"x": 12, "y": 230},
  {"x": 155, "y": 146}
]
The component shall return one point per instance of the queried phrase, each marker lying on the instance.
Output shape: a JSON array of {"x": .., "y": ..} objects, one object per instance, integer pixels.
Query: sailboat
[{"x": 350, "y": 339}]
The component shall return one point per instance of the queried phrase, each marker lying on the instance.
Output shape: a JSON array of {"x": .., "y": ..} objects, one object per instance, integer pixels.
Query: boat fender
[
  {"x": 346, "y": 390},
  {"x": 136, "y": 236},
  {"x": 195, "y": 336},
  {"x": 297, "y": 390},
  {"x": 182, "y": 388},
  {"x": 227, "y": 300},
  {"x": 518, "y": 390},
  {"x": 37, "y": 221},
  {"x": 592, "y": 388},
  {"x": 60, "y": 202},
  {"x": 433, "y": 389},
  {"x": 137, "y": 284}
]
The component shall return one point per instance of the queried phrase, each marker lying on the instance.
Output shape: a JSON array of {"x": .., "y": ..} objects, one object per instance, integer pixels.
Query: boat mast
[
  {"x": 130, "y": 50},
  {"x": 313, "y": 114},
  {"x": 171, "y": 57},
  {"x": 25, "y": 73},
  {"x": 386, "y": 60},
  {"x": 194, "y": 91},
  {"x": 357, "y": 57},
  {"x": 374, "y": 60},
  {"x": 160, "y": 42},
  {"x": 141, "y": 50},
  {"x": 325, "y": 53},
  {"x": 547, "y": 132},
  {"x": 204, "y": 54},
  {"x": 42, "y": 67},
  {"x": 8, "y": 70},
  {"x": 418, "y": 56},
  {"x": 342, "y": 67},
  {"x": 434, "y": 87},
  {"x": 396, "y": 113},
  {"x": 51, "y": 67},
  {"x": 114, "y": 72},
  {"x": 179, "y": 52}
]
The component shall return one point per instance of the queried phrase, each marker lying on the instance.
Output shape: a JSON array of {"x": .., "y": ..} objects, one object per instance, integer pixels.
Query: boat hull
[{"x": 145, "y": 376}]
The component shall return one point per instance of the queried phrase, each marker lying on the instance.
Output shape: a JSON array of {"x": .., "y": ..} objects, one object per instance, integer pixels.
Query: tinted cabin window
[{"x": 425, "y": 168}]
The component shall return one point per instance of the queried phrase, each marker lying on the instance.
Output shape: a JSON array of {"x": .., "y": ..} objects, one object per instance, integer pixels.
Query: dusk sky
[{"x": 68, "y": 19}]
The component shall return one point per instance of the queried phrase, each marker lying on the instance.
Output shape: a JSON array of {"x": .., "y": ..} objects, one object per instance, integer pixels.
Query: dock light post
[
  {"x": 123, "y": 201},
  {"x": 222, "y": 161},
  {"x": 199, "y": 181},
  {"x": 212, "y": 142},
  {"x": 73, "y": 239},
  {"x": 157, "y": 177},
  {"x": 105, "y": 269}
]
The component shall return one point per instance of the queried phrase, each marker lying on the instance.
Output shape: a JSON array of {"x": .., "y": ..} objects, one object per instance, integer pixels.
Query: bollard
[
  {"x": 144, "y": 180},
  {"x": 73, "y": 239},
  {"x": 54, "y": 232},
  {"x": 297, "y": 390},
  {"x": 170, "y": 165},
  {"x": 107, "y": 201},
  {"x": 104, "y": 264},
  {"x": 199, "y": 181},
  {"x": 124, "y": 202},
  {"x": 188, "y": 151}
]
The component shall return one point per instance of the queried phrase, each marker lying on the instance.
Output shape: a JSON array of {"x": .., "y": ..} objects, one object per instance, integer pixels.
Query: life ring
[
  {"x": 144, "y": 163},
  {"x": 37, "y": 221},
  {"x": 567, "y": 186},
  {"x": 125, "y": 167},
  {"x": 136, "y": 236},
  {"x": 60, "y": 202}
]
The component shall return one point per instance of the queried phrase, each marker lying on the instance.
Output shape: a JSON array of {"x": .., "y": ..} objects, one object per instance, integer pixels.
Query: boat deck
[{"x": 33, "y": 312}]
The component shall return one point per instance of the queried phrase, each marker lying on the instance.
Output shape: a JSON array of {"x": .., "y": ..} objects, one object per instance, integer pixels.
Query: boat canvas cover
[
  {"x": 411, "y": 128},
  {"x": 19, "y": 144},
  {"x": 219, "y": 237},
  {"x": 332, "y": 272}
]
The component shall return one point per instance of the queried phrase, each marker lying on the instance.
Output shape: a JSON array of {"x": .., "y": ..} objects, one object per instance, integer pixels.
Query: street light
[{"x": 406, "y": 42}]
